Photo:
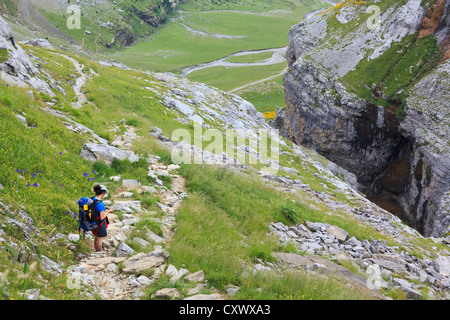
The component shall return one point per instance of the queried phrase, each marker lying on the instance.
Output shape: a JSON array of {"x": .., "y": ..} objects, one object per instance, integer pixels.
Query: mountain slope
[{"x": 243, "y": 224}]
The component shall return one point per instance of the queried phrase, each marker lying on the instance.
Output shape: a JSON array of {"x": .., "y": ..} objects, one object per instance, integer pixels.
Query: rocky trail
[{"x": 118, "y": 272}]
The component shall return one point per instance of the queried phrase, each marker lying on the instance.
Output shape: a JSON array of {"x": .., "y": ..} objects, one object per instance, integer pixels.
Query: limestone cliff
[
  {"x": 374, "y": 99},
  {"x": 15, "y": 65}
]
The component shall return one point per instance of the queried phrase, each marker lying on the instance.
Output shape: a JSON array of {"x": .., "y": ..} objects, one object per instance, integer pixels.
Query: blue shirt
[{"x": 100, "y": 206}]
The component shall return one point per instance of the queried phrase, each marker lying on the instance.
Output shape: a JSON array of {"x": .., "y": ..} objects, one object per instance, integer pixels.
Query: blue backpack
[{"x": 88, "y": 214}]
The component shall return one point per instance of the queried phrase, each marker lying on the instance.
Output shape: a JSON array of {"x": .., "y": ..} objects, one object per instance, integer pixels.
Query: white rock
[
  {"x": 73, "y": 237},
  {"x": 171, "y": 271},
  {"x": 124, "y": 250}
]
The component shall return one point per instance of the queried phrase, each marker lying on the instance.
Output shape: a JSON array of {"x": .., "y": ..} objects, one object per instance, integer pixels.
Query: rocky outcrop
[
  {"x": 41, "y": 43},
  {"x": 389, "y": 154},
  {"x": 105, "y": 153},
  {"x": 15, "y": 65}
]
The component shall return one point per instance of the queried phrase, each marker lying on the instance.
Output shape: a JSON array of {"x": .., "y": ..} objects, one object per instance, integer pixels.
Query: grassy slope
[
  {"x": 226, "y": 78},
  {"x": 266, "y": 97},
  {"x": 222, "y": 209}
]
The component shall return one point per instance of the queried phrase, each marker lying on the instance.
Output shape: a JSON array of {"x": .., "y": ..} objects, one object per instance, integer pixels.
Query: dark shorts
[{"x": 101, "y": 230}]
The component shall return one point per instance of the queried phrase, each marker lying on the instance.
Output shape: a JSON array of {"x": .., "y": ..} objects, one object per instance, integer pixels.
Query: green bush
[
  {"x": 289, "y": 213},
  {"x": 132, "y": 122}
]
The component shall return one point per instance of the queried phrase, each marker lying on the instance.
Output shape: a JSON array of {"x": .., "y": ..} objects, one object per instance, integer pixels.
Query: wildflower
[
  {"x": 85, "y": 174},
  {"x": 36, "y": 185},
  {"x": 93, "y": 171},
  {"x": 43, "y": 153},
  {"x": 28, "y": 185},
  {"x": 60, "y": 153},
  {"x": 74, "y": 215},
  {"x": 68, "y": 212},
  {"x": 17, "y": 170}
]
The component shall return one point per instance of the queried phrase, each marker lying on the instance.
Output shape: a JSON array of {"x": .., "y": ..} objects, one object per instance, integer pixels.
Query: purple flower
[
  {"x": 93, "y": 171},
  {"x": 60, "y": 153},
  {"x": 28, "y": 185},
  {"x": 23, "y": 171},
  {"x": 7, "y": 85},
  {"x": 68, "y": 212},
  {"x": 17, "y": 170},
  {"x": 36, "y": 185},
  {"x": 74, "y": 215},
  {"x": 85, "y": 174},
  {"x": 43, "y": 153}
]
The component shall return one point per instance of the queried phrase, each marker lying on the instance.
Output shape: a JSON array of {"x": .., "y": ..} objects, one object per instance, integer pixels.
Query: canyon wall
[{"x": 396, "y": 144}]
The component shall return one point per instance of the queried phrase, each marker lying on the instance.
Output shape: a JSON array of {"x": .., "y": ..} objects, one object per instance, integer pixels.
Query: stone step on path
[
  {"x": 101, "y": 269},
  {"x": 117, "y": 273}
]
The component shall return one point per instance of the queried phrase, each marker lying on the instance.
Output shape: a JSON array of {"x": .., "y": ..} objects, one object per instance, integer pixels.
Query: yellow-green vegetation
[
  {"x": 42, "y": 171},
  {"x": 296, "y": 285},
  {"x": 266, "y": 97},
  {"x": 248, "y": 58},
  {"x": 226, "y": 78},
  {"x": 396, "y": 69},
  {"x": 224, "y": 223},
  {"x": 3, "y": 55}
]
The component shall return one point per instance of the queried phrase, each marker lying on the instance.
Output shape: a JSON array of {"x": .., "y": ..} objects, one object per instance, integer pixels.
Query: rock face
[
  {"x": 402, "y": 164},
  {"x": 105, "y": 153},
  {"x": 15, "y": 65}
]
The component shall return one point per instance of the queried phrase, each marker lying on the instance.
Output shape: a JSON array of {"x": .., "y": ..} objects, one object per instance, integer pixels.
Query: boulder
[
  {"x": 124, "y": 250},
  {"x": 442, "y": 265},
  {"x": 154, "y": 237},
  {"x": 73, "y": 237},
  {"x": 198, "y": 276},
  {"x": 130, "y": 184},
  {"x": 105, "y": 261},
  {"x": 167, "y": 293},
  {"x": 42, "y": 43},
  {"x": 337, "y": 232},
  {"x": 406, "y": 287},
  {"x": 127, "y": 206},
  {"x": 171, "y": 270},
  {"x": 145, "y": 261},
  {"x": 182, "y": 272},
  {"x": 104, "y": 153},
  {"x": 316, "y": 226}
]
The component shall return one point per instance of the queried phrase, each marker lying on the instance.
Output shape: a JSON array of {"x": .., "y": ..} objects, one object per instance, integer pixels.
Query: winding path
[
  {"x": 277, "y": 57},
  {"x": 79, "y": 82}
]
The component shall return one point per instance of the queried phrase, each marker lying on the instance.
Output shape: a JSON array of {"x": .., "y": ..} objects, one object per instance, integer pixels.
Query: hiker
[{"x": 101, "y": 232}]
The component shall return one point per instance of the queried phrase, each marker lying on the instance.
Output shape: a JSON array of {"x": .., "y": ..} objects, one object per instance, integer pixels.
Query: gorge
[{"x": 394, "y": 141}]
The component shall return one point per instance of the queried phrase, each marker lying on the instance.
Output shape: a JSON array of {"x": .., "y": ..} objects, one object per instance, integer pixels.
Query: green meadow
[{"x": 228, "y": 78}]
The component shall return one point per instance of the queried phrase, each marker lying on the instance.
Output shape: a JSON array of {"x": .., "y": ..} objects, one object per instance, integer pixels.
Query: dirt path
[
  {"x": 256, "y": 82},
  {"x": 79, "y": 83}
]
